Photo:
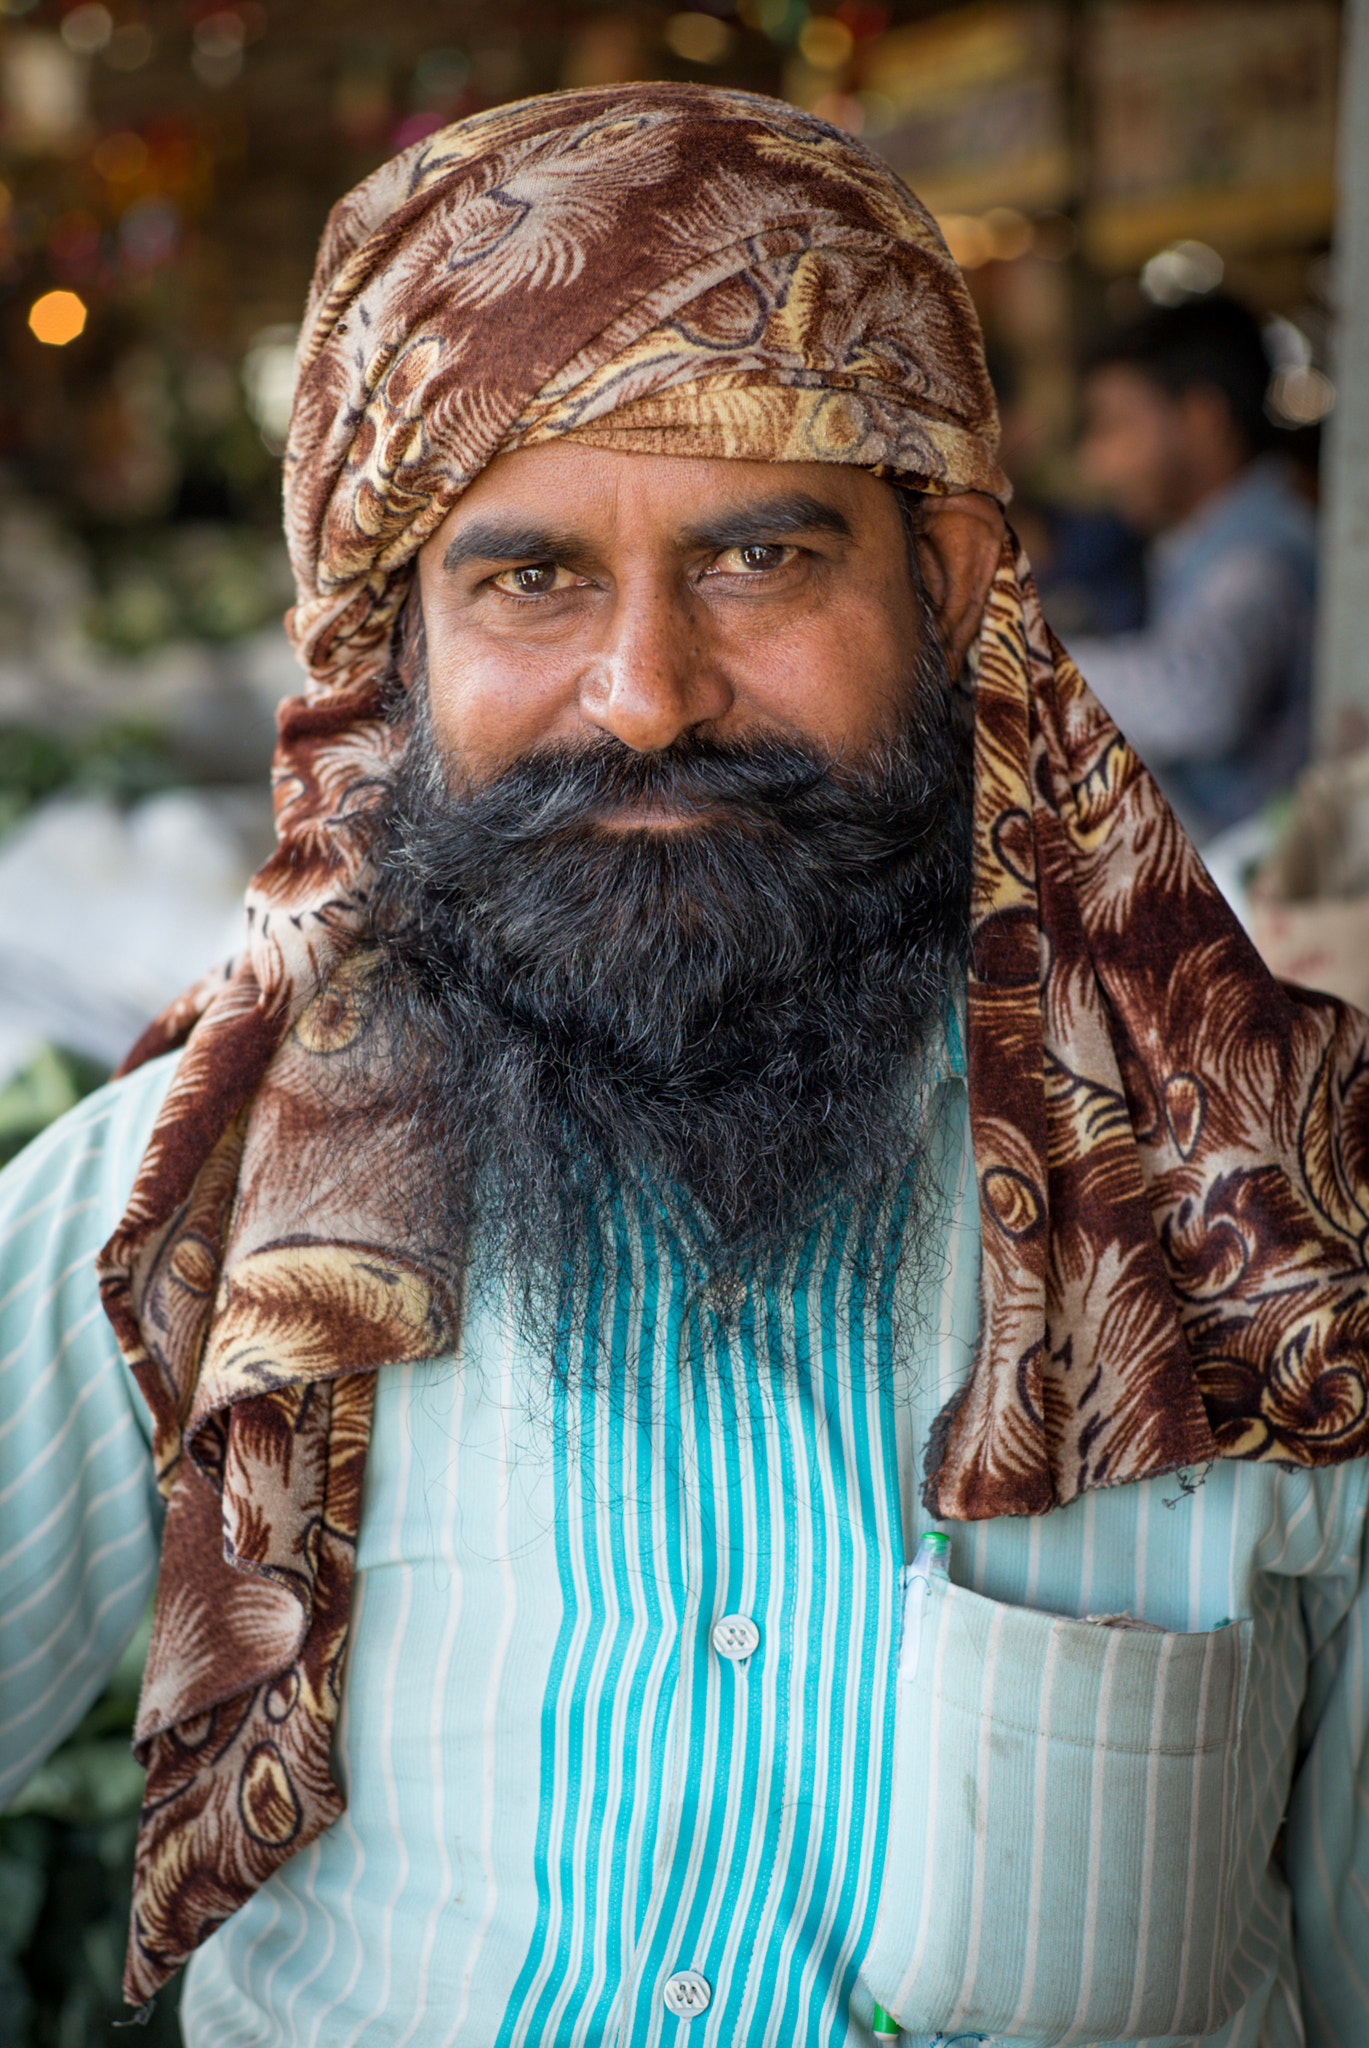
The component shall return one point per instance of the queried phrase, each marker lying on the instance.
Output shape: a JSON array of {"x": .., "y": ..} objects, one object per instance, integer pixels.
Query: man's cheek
[{"x": 486, "y": 716}]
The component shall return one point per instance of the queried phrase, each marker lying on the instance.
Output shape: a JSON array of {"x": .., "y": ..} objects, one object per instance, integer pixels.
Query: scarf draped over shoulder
[{"x": 1170, "y": 1146}]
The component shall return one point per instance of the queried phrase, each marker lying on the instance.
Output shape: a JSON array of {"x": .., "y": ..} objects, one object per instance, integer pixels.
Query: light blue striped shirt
[{"x": 628, "y": 1753}]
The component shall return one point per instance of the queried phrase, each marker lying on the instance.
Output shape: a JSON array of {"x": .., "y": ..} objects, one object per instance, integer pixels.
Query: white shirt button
[
  {"x": 687, "y": 1994},
  {"x": 736, "y": 1636}
]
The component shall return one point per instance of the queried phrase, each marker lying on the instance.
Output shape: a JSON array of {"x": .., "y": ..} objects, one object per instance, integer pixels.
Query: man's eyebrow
[
  {"x": 789, "y": 512},
  {"x": 499, "y": 540}
]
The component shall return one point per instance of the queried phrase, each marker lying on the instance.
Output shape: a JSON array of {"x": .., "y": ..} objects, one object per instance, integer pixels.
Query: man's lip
[{"x": 655, "y": 816}]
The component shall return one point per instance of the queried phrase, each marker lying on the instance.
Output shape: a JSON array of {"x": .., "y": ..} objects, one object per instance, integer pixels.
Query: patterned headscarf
[{"x": 1170, "y": 1147}]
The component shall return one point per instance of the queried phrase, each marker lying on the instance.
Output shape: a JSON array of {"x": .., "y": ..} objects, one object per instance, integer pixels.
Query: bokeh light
[
  {"x": 1009, "y": 233},
  {"x": 825, "y": 42},
  {"x": 87, "y": 29},
  {"x": 130, "y": 46},
  {"x": 698, "y": 38},
  {"x": 57, "y": 318},
  {"x": 1300, "y": 396},
  {"x": 268, "y": 379},
  {"x": 120, "y": 158},
  {"x": 1185, "y": 270}
]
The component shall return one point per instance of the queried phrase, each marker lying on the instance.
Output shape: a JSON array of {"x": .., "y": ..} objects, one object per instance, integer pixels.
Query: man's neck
[{"x": 1213, "y": 466}]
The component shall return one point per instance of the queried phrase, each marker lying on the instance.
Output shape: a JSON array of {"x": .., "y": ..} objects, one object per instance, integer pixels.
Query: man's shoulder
[
  {"x": 1260, "y": 515},
  {"x": 93, "y": 1150}
]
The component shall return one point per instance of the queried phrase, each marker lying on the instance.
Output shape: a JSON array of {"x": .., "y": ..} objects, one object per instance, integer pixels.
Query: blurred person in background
[
  {"x": 1089, "y": 564},
  {"x": 1214, "y": 689}
]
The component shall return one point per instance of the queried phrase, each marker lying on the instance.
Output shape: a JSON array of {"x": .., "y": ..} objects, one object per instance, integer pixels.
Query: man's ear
[{"x": 959, "y": 542}]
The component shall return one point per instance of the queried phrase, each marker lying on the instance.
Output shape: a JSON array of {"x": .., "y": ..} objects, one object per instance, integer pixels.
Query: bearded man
[{"x": 752, "y": 1307}]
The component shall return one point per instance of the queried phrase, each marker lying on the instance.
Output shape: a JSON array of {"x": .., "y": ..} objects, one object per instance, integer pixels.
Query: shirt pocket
[{"x": 1064, "y": 1817}]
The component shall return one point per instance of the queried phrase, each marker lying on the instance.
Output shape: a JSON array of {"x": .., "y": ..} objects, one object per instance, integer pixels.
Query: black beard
[{"x": 732, "y": 1011}]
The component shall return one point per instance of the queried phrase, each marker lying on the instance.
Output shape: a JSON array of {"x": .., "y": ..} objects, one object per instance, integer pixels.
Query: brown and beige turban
[{"x": 1170, "y": 1147}]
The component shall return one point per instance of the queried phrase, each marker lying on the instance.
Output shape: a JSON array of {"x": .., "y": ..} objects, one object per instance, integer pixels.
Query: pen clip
[{"x": 932, "y": 1562}]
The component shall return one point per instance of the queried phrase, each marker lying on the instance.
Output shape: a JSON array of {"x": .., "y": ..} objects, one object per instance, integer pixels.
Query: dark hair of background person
[{"x": 1213, "y": 340}]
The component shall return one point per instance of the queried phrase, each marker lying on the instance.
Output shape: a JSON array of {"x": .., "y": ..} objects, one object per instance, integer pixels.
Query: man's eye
[
  {"x": 533, "y": 579},
  {"x": 755, "y": 558}
]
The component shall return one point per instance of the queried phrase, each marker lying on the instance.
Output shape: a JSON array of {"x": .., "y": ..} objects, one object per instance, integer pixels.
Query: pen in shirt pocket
[
  {"x": 932, "y": 1561},
  {"x": 886, "y": 2028}
]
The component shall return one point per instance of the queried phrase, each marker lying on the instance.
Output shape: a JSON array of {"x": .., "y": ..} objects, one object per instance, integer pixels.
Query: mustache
[{"x": 853, "y": 818}]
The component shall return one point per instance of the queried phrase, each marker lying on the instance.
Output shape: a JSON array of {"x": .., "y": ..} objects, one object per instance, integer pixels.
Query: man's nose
[{"x": 657, "y": 671}]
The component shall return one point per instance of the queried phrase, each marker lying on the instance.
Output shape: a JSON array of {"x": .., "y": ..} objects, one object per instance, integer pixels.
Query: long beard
[{"x": 728, "y": 1015}]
